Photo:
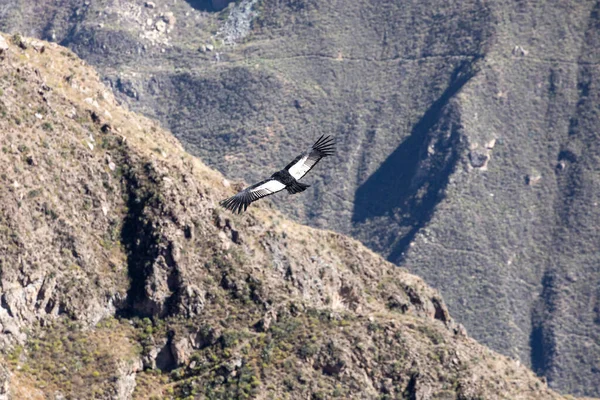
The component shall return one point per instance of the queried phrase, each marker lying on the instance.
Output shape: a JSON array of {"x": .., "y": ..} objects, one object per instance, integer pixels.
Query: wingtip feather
[
  {"x": 230, "y": 203},
  {"x": 325, "y": 145}
]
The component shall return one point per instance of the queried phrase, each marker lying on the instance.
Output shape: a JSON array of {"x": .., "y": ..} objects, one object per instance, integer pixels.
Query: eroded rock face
[
  {"x": 125, "y": 385},
  {"x": 50, "y": 267}
]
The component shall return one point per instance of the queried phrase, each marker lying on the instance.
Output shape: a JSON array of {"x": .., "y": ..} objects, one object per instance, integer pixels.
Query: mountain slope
[
  {"x": 466, "y": 130},
  {"x": 121, "y": 278}
]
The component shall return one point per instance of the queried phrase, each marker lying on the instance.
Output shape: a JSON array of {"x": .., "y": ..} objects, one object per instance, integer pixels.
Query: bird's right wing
[
  {"x": 240, "y": 201},
  {"x": 307, "y": 160}
]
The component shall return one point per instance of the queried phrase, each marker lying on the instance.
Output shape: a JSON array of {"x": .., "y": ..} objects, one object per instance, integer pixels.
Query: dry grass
[{"x": 78, "y": 363}]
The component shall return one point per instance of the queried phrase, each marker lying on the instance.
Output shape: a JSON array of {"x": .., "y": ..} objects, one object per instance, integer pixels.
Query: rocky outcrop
[{"x": 125, "y": 384}]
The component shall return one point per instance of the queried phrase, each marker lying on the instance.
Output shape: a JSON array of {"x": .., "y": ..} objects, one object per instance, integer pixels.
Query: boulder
[
  {"x": 478, "y": 159},
  {"x": 161, "y": 26}
]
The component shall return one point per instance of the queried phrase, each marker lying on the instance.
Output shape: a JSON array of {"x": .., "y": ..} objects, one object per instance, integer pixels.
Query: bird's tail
[{"x": 296, "y": 187}]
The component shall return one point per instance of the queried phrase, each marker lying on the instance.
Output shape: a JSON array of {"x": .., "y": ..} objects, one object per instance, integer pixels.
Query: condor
[{"x": 287, "y": 178}]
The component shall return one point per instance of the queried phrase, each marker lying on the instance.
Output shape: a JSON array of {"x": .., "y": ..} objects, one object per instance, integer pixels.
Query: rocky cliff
[
  {"x": 121, "y": 278},
  {"x": 466, "y": 130}
]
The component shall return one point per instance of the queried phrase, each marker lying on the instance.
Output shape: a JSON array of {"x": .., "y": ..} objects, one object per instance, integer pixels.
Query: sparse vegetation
[
  {"x": 86, "y": 359},
  {"x": 209, "y": 304}
]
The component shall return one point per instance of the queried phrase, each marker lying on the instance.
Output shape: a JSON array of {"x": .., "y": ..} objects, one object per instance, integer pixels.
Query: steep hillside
[
  {"x": 468, "y": 152},
  {"x": 122, "y": 278}
]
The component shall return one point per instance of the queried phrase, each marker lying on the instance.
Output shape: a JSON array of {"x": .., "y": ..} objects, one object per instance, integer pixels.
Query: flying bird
[{"x": 287, "y": 178}]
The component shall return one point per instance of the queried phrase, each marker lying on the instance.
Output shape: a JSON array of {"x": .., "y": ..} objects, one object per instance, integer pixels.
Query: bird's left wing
[
  {"x": 307, "y": 160},
  {"x": 240, "y": 201}
]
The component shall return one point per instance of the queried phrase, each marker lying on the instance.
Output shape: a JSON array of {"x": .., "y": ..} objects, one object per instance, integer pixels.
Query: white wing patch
[
  {"x": 300, "y": 169},
  {"x": 270, "y": 187},
  {"x": 307, "y": 160}
]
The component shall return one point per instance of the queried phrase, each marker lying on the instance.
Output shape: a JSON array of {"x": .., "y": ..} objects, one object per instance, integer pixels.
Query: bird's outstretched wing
[
  {"x": 307, "y": 160},
  {"x": 240, "y": 201}
]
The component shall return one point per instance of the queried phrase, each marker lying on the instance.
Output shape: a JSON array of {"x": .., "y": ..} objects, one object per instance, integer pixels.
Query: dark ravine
[
  {"x": 150, "y": 255},
  {"x": 541, "y": 341},
  {"x": 142, "y": 244},
  {"x": 512, "y": 193},
  {"x": 575, "y": 255}
]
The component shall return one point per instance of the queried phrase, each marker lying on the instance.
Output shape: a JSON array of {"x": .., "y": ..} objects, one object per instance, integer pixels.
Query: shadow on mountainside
[
  {"x": 410, "y": 182},
  {"x": 209, "y": 5}
]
